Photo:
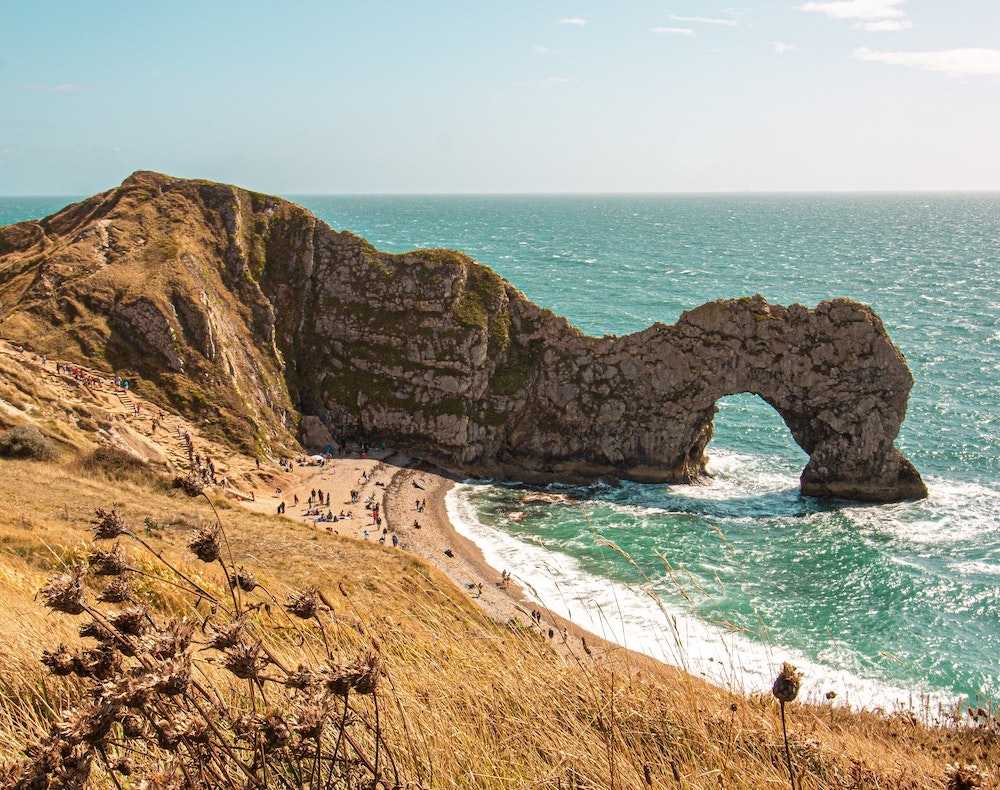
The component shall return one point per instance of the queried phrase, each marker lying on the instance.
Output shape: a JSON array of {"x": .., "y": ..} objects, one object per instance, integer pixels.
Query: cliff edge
[{"x": 247, "y": 312}]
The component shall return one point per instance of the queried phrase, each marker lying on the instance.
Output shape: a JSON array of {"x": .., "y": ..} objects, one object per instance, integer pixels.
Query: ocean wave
[
  {"x": 636, "y": 619},
  {"x": 954, "y": 512}
]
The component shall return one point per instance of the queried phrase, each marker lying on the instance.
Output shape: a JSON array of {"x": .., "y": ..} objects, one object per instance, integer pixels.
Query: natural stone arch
[{"x": 832, "y": 374}]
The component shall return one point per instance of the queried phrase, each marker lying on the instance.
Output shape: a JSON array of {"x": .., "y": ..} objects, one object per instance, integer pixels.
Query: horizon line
[{"x": 566, "y": 193}]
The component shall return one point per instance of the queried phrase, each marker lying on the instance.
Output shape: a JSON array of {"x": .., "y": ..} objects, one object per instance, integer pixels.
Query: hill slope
[{"x": 247, "y": 311}]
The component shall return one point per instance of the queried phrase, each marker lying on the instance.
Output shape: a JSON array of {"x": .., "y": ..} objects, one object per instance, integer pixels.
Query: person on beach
[
  {"x": 395, "y": 540},
  {"x": 281, "y": 507}
]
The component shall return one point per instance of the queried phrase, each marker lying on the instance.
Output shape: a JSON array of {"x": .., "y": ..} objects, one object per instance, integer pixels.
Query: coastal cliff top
[{"x": 249, "y": 312}]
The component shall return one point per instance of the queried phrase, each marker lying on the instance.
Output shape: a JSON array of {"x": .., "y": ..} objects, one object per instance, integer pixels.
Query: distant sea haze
[{"x": 889, "y": 604}]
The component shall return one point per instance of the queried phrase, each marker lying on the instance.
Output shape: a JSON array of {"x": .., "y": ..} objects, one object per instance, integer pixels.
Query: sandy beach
[{"x": 397, "y": 483}]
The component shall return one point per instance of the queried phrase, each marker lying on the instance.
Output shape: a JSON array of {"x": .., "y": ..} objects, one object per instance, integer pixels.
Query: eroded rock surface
[{"x": 246, "y": 310}]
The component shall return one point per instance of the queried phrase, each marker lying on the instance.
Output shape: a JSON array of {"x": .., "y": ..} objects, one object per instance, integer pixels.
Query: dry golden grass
[{"x": 466, "y": 702}]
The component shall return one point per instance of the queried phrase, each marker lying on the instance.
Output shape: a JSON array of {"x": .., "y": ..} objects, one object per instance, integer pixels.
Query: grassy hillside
[{"x": 463, "y": 701}]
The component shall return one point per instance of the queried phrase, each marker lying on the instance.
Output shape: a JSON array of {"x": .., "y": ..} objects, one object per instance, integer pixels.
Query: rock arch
[{"x": 832, "y": 374}]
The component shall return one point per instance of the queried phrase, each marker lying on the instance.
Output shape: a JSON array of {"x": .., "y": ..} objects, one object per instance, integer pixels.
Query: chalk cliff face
[{"x": 249, "y": 312}]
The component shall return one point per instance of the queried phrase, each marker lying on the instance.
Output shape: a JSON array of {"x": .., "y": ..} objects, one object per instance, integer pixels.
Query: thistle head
[
  {"x": 243, "y": 660},
  {"x": 205, "y": 544},
  {"x": 361, "y": 677},
  {"x": 109, "y": 524},
  {"x": 172, "y": 677},
  {"x": 131, "y": 621},
  {"x": 243, "y": 579},
  {"x": 963, "y": 777},
  {"x": 786, "y": 685},
  {"x": 64, "y": 593},
  {"x": 304, "y": 604},
  {"x": 133, "y": 726},
  {"x": 108, "y": 563},
  {"x": 171, "y": 640},
  {"x": 118, "y": 591},
  {"x": 60, "y": 662},
  {"x": 275, "y": 730},
  {"x": 310, "y": 717},
  {"x": 227, "y": 635},
  {"x": 301, "y": 678}
]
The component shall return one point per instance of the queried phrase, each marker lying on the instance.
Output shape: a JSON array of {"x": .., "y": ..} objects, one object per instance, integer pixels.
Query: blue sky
[{"x": 544, "y": 96}]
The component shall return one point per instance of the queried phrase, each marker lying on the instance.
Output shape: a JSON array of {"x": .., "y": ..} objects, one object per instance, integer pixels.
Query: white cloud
[
  {"x": 673, "y": 31},
  {"x": 705, "y": 20},
  {"x": 886, "y": 25},
  {"x": 538, "y": 49},
  {"x": 556, "y": 80},
  {"x": 577, "y": 21},
  {"x": 858, "y": 9},
  {"x": 968, "y": 62},
  {"x": 782, "y": 47}
]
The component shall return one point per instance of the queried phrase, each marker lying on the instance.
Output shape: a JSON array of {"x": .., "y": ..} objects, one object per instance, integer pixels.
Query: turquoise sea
[{"x": 887, "y": 605}]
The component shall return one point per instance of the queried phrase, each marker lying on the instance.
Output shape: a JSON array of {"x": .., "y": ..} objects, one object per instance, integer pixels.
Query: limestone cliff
[{"x": 247, "y": 311}]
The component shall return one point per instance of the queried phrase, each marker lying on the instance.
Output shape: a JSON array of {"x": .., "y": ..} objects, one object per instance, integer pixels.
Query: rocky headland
[{"x": 249, "y": 314}]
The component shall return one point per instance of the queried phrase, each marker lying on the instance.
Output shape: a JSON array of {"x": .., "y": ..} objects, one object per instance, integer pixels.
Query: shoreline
[
  {"x": 397, "y": 482},
  {"x": 701, "y": 652}
]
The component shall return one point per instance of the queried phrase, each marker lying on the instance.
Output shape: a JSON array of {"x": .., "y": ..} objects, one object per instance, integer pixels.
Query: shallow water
[{"x": 883, "y": 604}]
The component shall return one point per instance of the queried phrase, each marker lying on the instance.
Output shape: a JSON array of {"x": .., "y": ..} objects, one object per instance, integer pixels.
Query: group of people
[
  {"x": 78, "y": 374},
  {"x": 382, "y": 537},
  {"x": 316, "y": 495}
]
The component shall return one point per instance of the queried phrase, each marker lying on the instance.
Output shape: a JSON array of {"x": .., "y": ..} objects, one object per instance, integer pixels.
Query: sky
[{"x": 522, "y": 96}]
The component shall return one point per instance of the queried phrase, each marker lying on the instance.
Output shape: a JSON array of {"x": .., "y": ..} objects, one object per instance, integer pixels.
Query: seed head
[
  {"x": 227, "y": 634},
  {"x": 205, "y": 544},
  {"x": 109, "y": 524},
  {"x": 304, "y": 604},
  {"x": 52, "y": 762},
  {"x": 98, "y": 662},
  {"x": 302, "y": 678},
  {"x": 87, "y": 724},
  {"x": 180, "y": 726},
  {"x": 64, "y": 593},
  {"x": 190, "y": 485},
  {"x": 310, "y": 718},
  {"x": 361, "y": 677},
  {"x": 121, "y": 766},
  {"x": 118, "y": 591},
  {"x": 243, "y": 579},
  {"x": 171, "y": 640},
  {"x": 133, "y": 692},
  {"x": 963, "y": 777},
  {"x": 60, "y": 661},
  {"x": 786, "y": 685},
  {"x": 243, "y": 660},
  {"x": 131, "y": 621},
  {"x": 173, "y": 677},
  {"x": 275, "y": 730},
  {"x": 108, "y": 563}
]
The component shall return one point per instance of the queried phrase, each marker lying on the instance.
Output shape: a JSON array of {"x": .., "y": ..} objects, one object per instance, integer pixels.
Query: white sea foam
[{"x": 630, "y": 617}]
